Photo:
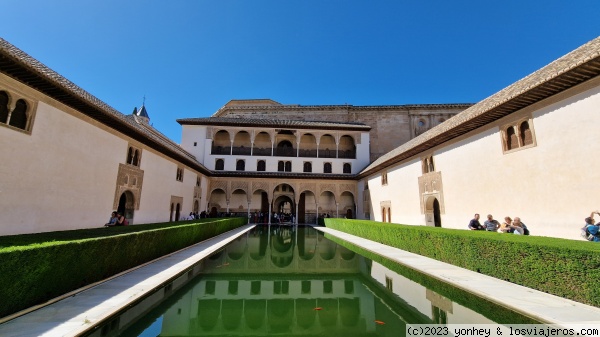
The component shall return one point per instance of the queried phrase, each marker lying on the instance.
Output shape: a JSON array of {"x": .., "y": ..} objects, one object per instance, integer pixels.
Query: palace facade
[{"x": 528, "y": 151}]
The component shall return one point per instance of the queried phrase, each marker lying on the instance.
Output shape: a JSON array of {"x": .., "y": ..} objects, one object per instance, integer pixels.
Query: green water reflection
[{"x": 292, "y": 281}]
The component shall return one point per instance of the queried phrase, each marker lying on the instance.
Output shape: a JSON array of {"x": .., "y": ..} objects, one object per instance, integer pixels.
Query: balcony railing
[
  {"x": 243, "y": 151},
  {"x": 349, "y": 154},
  {"x": 283, "y": 152},
  {"x": 220, "y": 150},
  {"x": 308, "y": 153},
  {"x": 261, "y": 152}
]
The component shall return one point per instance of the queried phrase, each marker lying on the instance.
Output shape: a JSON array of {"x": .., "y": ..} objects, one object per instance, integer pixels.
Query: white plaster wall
[
  {"x": 402, "y": 191},
  {"x": 362, "y": 153},
  {"x": 197, "y": 134},
  {"x": 551, "y": 186},
  {"x": 60, "y": 177},
  {"x": 159, "y": 185}
]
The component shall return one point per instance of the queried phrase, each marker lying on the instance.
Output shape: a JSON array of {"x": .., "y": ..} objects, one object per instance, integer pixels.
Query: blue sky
[{"x": 189, "y": 58}]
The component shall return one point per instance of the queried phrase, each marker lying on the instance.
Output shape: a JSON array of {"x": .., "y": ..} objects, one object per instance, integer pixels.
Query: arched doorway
[
  {"x": 432, "y": 212},
  {"x": 126, "y": 205},
  {"x": 177, "y": 212},
  {"x": 284, "y": 207},
  {"x": 436, "y": 213},
  {"x": 349, "y": 214}
]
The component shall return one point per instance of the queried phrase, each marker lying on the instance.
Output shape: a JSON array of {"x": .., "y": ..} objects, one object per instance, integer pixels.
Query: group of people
[
  {"x": 116, "y": 219},
  {"x": 514, "y": 226},
  {"x": 591, "y": 231},
  {"x": 196, "y": 216}
]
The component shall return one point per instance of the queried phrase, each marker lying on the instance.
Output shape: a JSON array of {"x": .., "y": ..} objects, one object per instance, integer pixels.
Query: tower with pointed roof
[{"x": 142, "y": 114}]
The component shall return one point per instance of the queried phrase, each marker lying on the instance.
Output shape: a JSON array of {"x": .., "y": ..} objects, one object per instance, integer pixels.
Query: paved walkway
[
  {"x": 533, "y": 303},
  {"x": 76, "y": 314}
]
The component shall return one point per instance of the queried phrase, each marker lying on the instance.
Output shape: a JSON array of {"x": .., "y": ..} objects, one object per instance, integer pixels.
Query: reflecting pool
[{"x": 294, "y": 281}]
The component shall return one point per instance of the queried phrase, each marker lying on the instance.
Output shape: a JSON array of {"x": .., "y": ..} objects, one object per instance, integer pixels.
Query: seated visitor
[
  {"x": 517, "y": 222},
  {"x": 490, "y": 224},
  {"x": 590, "y": 231},
  {"x": 474, "y": 224},
  {"x": 112, "y": 220},
  {"x": 121, "y": 221},
  {"x": 507, "y": 226},
  {"x": 518, "y": 226}
]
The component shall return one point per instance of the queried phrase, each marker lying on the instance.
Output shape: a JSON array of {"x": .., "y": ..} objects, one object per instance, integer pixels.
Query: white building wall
[
  {"x": 60, "y": 177},
  {"x": 191, "y": 134},
  {"x": 402, "y": 192},
  {"x": 159, "y": 185},
  {"x": 551, "y": 186},
  {"x": 63, "y": 175}
]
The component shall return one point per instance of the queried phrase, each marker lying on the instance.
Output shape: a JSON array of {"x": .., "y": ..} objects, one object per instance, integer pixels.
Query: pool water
[{"x": 294, "y": 281}]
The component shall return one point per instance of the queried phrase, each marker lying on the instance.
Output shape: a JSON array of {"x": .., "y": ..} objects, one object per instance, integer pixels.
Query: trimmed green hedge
[
  {"x": 566, "y": 268},
  {"x": 38, "y": 272}
]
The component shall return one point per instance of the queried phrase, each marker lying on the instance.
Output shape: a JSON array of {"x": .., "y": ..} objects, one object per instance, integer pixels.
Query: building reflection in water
[{"x": 288, "y": 280}]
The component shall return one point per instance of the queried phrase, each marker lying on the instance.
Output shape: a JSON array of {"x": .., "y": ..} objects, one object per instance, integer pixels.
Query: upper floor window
[
  {"x": 307, "y": 166},
  {"x": 21, "y": 115},
  {"x": 179, "y": 176},
  {"x": 219, "y": 165},
  {"x": 284, "y": 166},
  {"x": 327, "y": 168},
  {"x": 240, "y": 165},
  {"x": 384, "y": 179},
  {"x": 261, "y": 165},
  {"x": 518, "y": 135},
  {"x": 427, "y": 164},
  {"x": 133, "y": 156},
  {"x": 347, "y": 168}
]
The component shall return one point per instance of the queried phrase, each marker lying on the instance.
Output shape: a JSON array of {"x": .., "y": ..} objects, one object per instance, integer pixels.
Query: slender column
[
  {"x": 337, "y": 211},
  {"x": 270, "y": 212},
  {"x": 248, "y": 213},
  {"x": 296, "y": 217},
  {"x": 317, "y": 220},
  {"x": 227, "y": 206}
]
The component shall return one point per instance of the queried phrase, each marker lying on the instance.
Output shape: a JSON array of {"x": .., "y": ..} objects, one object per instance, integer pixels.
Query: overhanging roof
[
  {"x": 274, "y": 123},
  {"x": 24, "y": 68},
  {"x": 568, "y": 71}
]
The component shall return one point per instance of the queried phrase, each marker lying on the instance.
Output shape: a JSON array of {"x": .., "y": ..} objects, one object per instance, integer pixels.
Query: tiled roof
[
  {"x": 24, "y": 68},
  {"x": 568, "y": 71},
  {"x": 234, "y": 108},
  {"x": 274, "y": 123}
]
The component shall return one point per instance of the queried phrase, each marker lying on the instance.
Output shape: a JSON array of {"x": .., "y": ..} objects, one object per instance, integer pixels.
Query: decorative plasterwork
[
  {"x": 430, "y": 184},
  {"x": 260, "y": 185},
  {"x": 197, "y": 192},
  {"x": 327, "y": 188},
  {"x": 129, "y": 178}
]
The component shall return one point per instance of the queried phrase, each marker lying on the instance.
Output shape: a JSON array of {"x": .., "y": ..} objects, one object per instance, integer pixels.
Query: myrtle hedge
[
  {"x": 566, "y": 268},
  {"x": 38, "y": 267}
]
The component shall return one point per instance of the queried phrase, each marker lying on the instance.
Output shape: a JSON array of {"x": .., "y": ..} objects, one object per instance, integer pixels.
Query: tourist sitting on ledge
[
  {"x": 113, "y": 219},
  {"x": 490, "y": 224},
  {"x": 590, "y": 231},
  {"x": 507, "y": 226},
  {"x": 474, "y": 224}
]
